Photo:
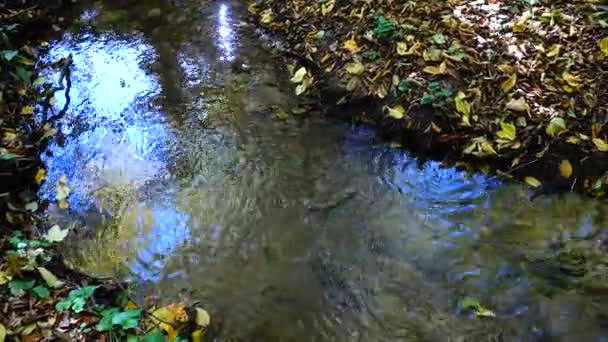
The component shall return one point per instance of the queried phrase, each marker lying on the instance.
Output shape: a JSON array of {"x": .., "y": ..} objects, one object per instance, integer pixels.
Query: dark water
[{"x": 298, "y": 230}]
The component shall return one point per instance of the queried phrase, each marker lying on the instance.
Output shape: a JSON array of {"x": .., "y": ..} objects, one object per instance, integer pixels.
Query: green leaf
[
  {"x": 439, "y": 39},
  {"x": 78, "y": 304},
  {"x": 3, "y": 333},
  {"x": 41, "y": 291},
  {"x": 507, "y": 131},
  {"x": 39, "y": 81},
  {"x": 23, "y": 74},
  {"x": 9, "y": 54},
  {"x": 50, "y": 279},
  {"x": 127, "y": 319},
  {"x": 84, "y": 292},
  {"x": 555, "y": 127},
  {"x": 63, "y": 305},
  {"x": 154, "y": 336},
  {"x": 19, "y": 286},
  {"x": 469, "y": 303},
  {"x": 105, "y": 324},
  {"x": 8, "y": 156},
  {"x": 132, "y": 338}
]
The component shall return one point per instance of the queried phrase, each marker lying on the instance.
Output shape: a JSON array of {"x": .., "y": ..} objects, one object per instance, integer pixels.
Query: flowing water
[{"x": 185, "y": 182}]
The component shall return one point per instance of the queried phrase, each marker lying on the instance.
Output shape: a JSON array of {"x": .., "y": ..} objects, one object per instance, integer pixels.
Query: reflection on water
[{"x": 304, "y": 229}]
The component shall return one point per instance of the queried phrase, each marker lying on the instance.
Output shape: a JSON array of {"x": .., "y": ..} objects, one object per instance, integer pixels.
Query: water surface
[{"x": 301, "y": 229}]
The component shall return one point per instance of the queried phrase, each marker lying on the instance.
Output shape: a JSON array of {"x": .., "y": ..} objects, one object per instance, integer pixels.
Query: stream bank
[{"x": 516, "y": 88}]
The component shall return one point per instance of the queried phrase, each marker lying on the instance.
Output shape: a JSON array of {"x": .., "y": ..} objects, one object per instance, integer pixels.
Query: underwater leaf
[
  {"x": 397, "y": 112},
  {"x": 532, "y": 181},
  {"x": 601, "y": 144},
  {"x": 555, "y": 127},
  {"x": 565, "y": 168}
]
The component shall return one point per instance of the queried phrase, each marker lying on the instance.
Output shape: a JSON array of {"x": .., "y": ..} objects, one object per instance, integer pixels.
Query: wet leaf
[
  {"x": 532, "y": 181},
  {"x": 436, "y": 70},
  {"x": 565, "y": 168},
  {"x": 50, "y": 279},
  {"x": 509, "y": 83},
  {"x": 555, "y": 127},
  {"x": 202, "y": 318},
  {"x": 168, "y": 316},
  {"x": 397, "y": 112},
  {"x": 601, "y": 144},
  {"x": 554, "y": 50},
  {"x": 55, "y": 234},
  {"x": 2, "y": 333}
]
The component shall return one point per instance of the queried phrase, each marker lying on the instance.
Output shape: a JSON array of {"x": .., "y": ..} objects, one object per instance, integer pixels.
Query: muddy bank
[{"x": 513, "y": 88}]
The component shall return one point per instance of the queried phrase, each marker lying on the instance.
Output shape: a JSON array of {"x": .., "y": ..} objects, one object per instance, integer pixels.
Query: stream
[{"x": 297, "y": 227}]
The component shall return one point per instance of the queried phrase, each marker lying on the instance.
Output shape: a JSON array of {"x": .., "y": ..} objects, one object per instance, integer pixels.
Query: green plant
[
  {"x": 437, "y": 95},
  {"x": 384, "y": 28},
  {"x": 114, "y": 317},
  {"x": 76, "y": 300}
]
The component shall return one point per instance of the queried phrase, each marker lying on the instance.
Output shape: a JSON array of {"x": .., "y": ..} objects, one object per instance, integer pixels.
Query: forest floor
[
  {"x": 41, "y": 298},
  {"x": 514, "y": 87}
]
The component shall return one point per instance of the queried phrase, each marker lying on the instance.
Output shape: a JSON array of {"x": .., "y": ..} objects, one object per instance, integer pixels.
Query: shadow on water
[{"x": 301, "y": 229}]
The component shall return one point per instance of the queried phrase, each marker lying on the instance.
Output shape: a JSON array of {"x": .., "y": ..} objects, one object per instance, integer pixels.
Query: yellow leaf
[
  {"x": 436, "y": 70},
  {"x": 27, "y": 110},
  {"x": 507, "y": 131},
  {"x": 401, "y": 48},
  {"x": 202, "y": 318},
  {"x": 351, "y": 45},
  {"x": 554, "y": 50},
  {"x": 169, "y": 316},
  {"x": 298, "y": 77},
  {"x": 518, "y": 105},
  {"x": 397, "y": 112},
  {"x": 572, "y": 80},
  {"x": 462, "y": 106},
  {"x": 533, "y": 182},
  {"x": 505, "y": 68},
  {"x": 603, "y": 44},
  {"x": 520, "y": 24},
  {"x": 327, "y": 7},
  {"x": 266, "y": 17},
  {"x": 63, "y": 204},
  {"x": 197, "y": 336},
  {"x": 356, "y": 68},
  {"x": 509, "y": 83},
  {"x": 565, "y": 168},
  {"x": 62, "y": 190},
  {"x": 601, "y": 144},
  {"x": 2, "y": 333},
  {"x": 130, "y": 305}
]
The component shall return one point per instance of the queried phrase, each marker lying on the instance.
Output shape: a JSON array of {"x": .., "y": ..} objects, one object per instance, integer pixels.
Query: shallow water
[{"x": 305, "y": 229}]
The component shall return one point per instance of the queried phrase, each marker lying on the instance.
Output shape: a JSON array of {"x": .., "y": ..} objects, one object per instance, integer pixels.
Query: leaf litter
[{"x": 524, "y": 77}]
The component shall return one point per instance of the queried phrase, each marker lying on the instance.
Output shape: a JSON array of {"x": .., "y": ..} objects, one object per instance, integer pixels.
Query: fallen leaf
[
  {"x": 507, "y": 131},
  {"x": 397, "y": 112},
  {"x": 2, "y": 333},
  {"x": 50, "y": 279},
  {"x": 555, "y": 127},
  {"x": 327, "y": 7},
  {"x": 55, "y": 234},
  {"x": 401, "y": 48},
  {"x": 169, "y": 316},
  {"x": 351, "y": 45},
  {"x": 509, "y": 83},
  {"x": 518, "y": 105},
  {"x": 298, "y": 77},
  {"x": 202, "y": 318},
  {"x": 40, "y": 175},
  {"x": 565, "y": 168},
  {"x": 266, "y": 17},
  {"x": 62, "y": 190},
  {"x": 462, "y": 106},
  {"x": 436, "y": 70},
  {"x": 572, "y": 80},
  {"x": 603, "y": 44},
  {"x": 355, "y": 68},
  {"x": 554, "y": 50},
  {"x": 601, "y": 144},
  {"x": 27, "y": 110},
  {"x": 533, "y": 182}
]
